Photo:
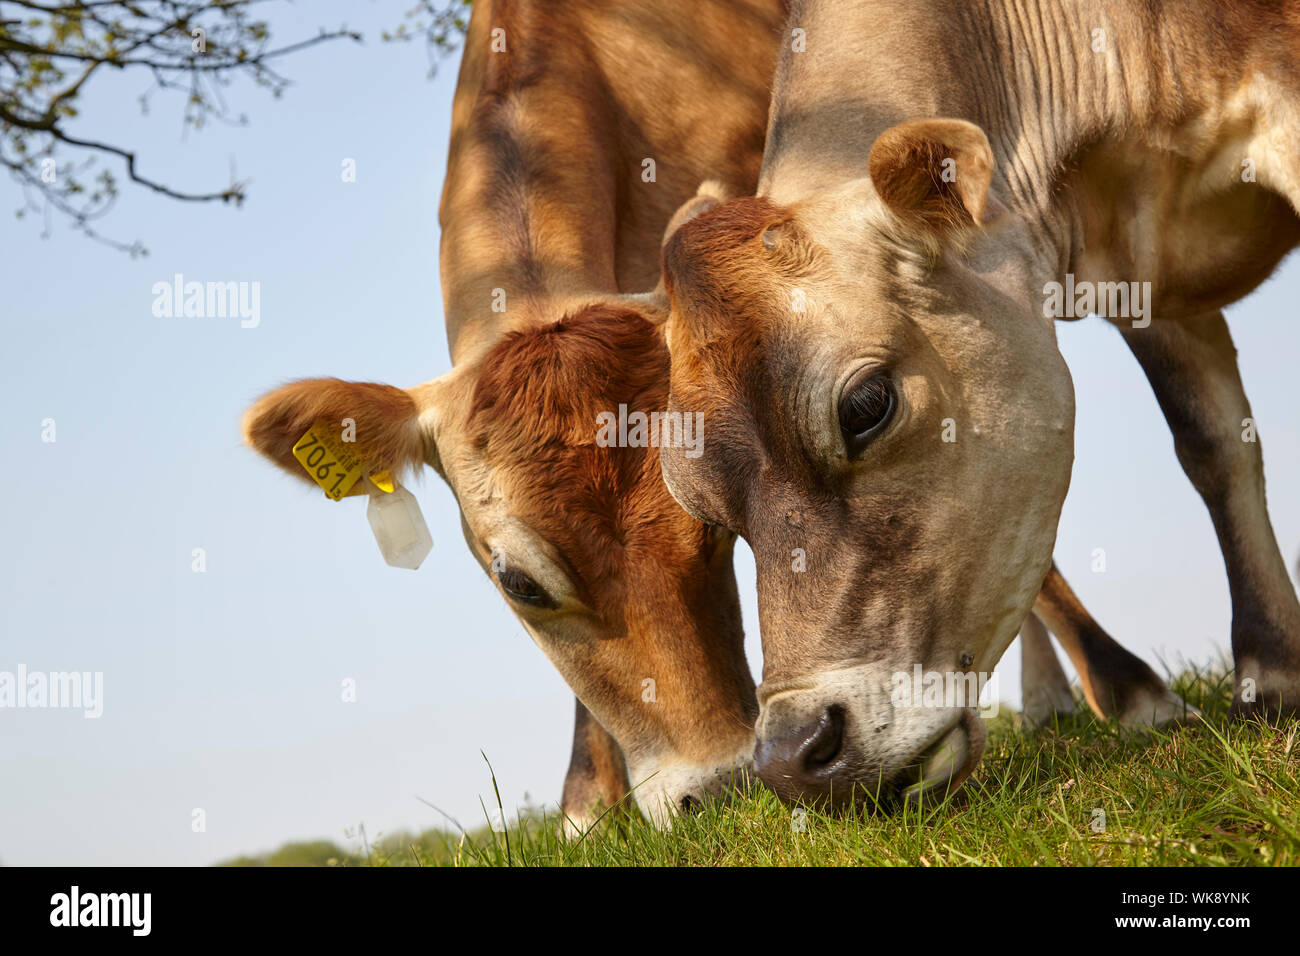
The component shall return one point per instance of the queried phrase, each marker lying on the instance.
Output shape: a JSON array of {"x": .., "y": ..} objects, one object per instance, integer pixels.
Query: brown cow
[
  {"x": 577, "y": 130},
  {"x": 871, "y": 340}
]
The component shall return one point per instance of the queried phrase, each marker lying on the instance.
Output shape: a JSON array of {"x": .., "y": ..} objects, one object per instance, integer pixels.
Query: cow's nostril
[
  {"x": 805, "y": 763},
  {"x": 826, "y": 741},
  {"x": 689, "y": 804}
]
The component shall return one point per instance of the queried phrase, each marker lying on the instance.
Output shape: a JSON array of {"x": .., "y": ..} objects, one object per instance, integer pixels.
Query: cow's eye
[
  {"x": 523, "y": 589},
  {"x": 865, "y": 411}
]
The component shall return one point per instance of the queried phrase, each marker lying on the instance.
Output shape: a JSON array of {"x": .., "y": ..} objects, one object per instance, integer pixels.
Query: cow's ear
[
  {"x": 934, "y": 175},
  {"x": 390, "y": 426}
]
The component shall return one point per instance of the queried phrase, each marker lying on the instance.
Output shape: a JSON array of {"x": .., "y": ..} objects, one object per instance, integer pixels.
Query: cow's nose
[{"x": 803, "y": 764}]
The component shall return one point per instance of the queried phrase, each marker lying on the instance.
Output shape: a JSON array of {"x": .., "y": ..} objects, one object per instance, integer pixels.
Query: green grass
[{"x": 1217, "y": 793}]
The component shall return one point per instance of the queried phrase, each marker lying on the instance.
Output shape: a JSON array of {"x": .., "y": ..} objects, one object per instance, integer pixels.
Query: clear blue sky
[{"x": 222, "y": 689}]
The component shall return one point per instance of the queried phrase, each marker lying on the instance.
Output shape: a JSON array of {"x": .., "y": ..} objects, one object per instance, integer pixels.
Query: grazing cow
[
  {"x": 577, "y": 130},
  {"x": 871, "y": 339}
]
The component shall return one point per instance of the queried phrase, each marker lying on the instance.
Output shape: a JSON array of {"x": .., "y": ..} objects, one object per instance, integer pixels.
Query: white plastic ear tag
[{"x": 398, "y": 524}]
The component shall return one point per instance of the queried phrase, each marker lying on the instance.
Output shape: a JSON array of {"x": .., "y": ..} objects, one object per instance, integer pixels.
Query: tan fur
[
  {"x": 1100, "y": 138},
  {"x": 907, "y": 164}
]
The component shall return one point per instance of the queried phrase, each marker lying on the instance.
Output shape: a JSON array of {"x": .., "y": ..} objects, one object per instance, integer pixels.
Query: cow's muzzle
[{"x": 851, "y": 754}]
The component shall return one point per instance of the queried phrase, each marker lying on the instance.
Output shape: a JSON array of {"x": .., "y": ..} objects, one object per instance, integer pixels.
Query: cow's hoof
[
  {"x": 576, "y": 824},
  {"x": 1263, "y": 710},
  {"x": 1156, "y": 707},
  {"x": 1265, "y": 694},
  {"x": 1043, "y": 710}
]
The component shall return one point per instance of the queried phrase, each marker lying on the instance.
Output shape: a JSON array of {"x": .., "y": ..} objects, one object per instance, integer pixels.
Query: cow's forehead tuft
[
  {"x": 533, "y": 418},
  {"x": 548, "y": 383},
  {"x": 709, "y": 240},
  {"x": 725, "y": 278},
  {"x": 737, "y": 221}
]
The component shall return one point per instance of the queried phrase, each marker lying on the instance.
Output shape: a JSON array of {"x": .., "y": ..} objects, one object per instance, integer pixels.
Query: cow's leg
[
  {"x": 1044, "y": 688},
  {"x": 1192, "y": 367},
  {"x": 597, "y": 777},
  {"x": 1118, "y": 685}
]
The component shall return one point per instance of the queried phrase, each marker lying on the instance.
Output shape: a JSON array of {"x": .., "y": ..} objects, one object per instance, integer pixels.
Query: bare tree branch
[{"x": 50, "y": 53}]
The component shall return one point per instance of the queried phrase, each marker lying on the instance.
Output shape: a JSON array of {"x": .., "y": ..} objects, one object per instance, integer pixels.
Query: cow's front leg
[
  {"x": 1192, "y": 367},
  {"x": 597, "y": 777},
  {"x": 1118, "y": 685},
  {"x": 1044, "y": 688}
]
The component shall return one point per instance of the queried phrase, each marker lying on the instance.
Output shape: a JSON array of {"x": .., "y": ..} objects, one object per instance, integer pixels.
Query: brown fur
[
  {"x": 533, "y": 415},
  {"x": 386, "y": 436},
  {"x": 547, "y": 384},
  {"x": 544, "y": 196},
  {"x": 639, "y": 562},
  {"x": 547, "y": 228},
  {"x": 708, "y": 262}
]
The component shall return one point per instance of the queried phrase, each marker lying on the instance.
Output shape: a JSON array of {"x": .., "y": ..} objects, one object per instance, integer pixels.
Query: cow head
[
  {"x": 889, "y": 424},
  {"x": 633, "y": 600}
]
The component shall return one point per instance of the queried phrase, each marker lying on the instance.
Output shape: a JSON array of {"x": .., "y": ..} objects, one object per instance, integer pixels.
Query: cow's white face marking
[{"x": 664, "y": 788}]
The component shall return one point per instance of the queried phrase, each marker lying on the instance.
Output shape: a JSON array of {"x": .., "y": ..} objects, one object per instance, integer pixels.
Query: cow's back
[{"x": 577, "y": 130}]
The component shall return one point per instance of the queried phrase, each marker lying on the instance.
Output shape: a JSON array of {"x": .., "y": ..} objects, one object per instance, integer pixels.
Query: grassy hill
[{"x": 1213, "y": 794}]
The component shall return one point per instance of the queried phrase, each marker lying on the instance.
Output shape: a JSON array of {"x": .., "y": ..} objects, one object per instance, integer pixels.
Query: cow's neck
[
  {"x": 528, "y": 207},
  {"x": 1121, "y": 128},
  {"x": 551, "y": 195},
  {"x": 1052, "y": 92}
]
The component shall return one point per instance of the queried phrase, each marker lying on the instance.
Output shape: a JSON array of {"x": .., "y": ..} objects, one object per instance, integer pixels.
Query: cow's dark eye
[
  {"x": 865, "y": 411},
  {"x": 523, "y": 589}
]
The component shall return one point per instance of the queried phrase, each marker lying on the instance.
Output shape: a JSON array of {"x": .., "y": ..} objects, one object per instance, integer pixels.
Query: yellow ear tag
[
  {"x": 382, "y": 480},
  {"x": 332, "y": 463}
]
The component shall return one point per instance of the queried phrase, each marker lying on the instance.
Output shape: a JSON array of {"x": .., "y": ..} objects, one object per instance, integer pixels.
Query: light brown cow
[
  {"x": 577, "y": 130},
  {"x": 871, "y": 340}
]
